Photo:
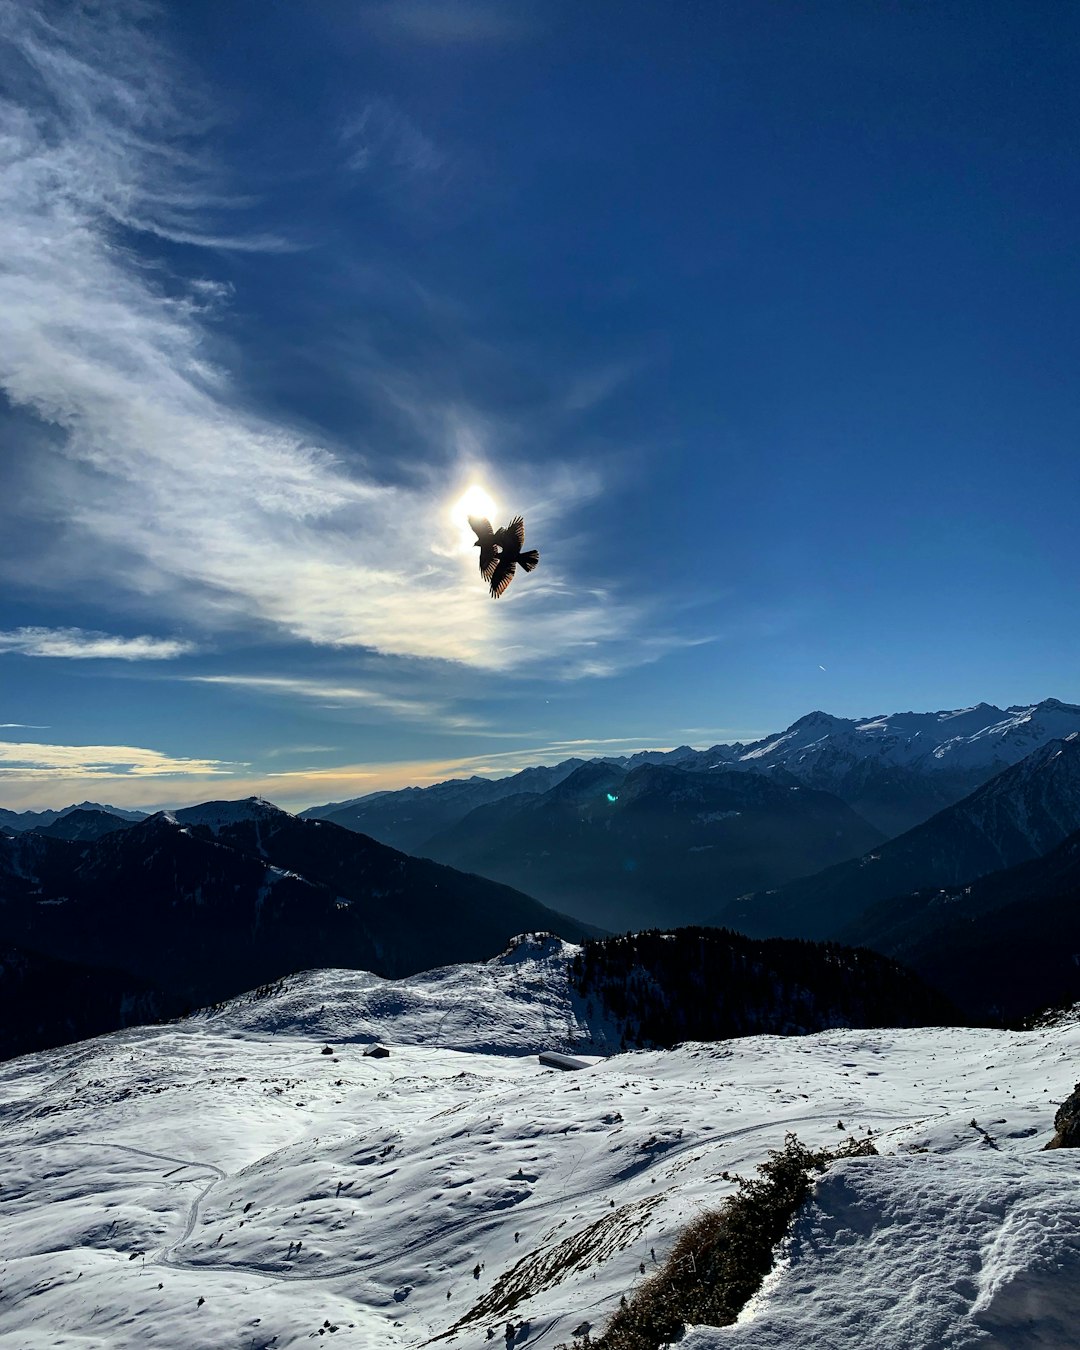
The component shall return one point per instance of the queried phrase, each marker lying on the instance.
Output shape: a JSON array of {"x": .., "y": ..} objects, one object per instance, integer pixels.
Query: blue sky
[{"x": 763, "y": 315}]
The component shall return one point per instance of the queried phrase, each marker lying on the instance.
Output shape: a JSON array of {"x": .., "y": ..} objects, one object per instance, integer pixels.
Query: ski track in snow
[
  {"x": 220, "y": 1184},
  {"x": 163, "y": 1257}
]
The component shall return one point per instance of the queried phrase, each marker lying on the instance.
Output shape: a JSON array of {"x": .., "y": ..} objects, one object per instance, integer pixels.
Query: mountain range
[
  {"x": 249, "y": 1175},
  {"x": 898, "y": 770},
  {"x": 196, "y": 905},
  {"x": 982, "y": 900},
  {"x": 654, "y": 844},
  {"x": 895, "y": 770},
  {"x": 1003, "y": 944},
  {"x": 17, "y": 821},
  {"x": 1023, "y": 813}
]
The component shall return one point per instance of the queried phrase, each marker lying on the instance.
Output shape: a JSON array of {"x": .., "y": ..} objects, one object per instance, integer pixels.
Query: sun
[{"x": 475, "y": 501}]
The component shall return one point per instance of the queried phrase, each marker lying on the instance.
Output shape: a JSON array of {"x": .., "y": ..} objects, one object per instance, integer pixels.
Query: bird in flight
[
  {"x": 485, "y": 542},
  {"x": 501, "y": 551},
  {"x": 510, "y": 539}
]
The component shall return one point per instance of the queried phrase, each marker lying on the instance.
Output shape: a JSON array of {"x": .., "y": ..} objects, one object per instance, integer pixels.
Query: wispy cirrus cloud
[
  {"x": 30, "y": 760},
  {"x": 336, "y": 694},
  {"x": 81, "y": 644},
  {"x": 89, "y": 94},
  {"x": 24, "y": 726},
  {"x": 383, "y": 136},
  {"x": 165, "y": 482}
]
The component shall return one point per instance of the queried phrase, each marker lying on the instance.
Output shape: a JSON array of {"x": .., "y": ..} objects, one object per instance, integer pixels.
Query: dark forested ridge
[
  {"x": 713, "y": 984},
  {"x": 1003, "y": 946},
  {"x": 45, "y": 1002},
  {"x": 1022, "y": 814}
]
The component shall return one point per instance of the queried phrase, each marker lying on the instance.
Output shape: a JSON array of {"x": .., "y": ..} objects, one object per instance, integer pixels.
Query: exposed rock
[{"x": 1067, "y": 1122}]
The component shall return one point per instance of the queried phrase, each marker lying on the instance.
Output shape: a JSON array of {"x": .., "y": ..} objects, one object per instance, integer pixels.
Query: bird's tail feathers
[{"x": 529, "y": 560}]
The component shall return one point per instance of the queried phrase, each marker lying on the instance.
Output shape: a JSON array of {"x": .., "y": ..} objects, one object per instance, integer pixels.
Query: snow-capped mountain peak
[{"x": 217, "y": 815}]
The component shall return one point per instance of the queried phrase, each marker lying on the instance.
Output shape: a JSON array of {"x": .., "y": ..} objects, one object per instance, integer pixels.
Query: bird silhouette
[
  {"x": 509, "y": 540},
  {"x": 485, "y": 542}
]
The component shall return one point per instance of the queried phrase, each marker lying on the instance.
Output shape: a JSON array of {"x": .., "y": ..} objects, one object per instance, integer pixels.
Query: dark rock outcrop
[{"x": 1067, "y": 1122}]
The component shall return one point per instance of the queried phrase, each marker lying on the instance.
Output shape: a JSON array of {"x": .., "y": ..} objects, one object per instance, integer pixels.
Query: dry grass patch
[{"x": 720, "y": 1260}]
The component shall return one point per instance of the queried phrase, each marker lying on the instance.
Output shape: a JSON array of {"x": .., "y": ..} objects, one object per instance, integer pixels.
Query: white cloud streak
[
  {"x": 165, "y": 483},
  {"x": 32, "y": 761},
  {"x": 81, "y": 644},
  {"x": 332, "y": 693}
]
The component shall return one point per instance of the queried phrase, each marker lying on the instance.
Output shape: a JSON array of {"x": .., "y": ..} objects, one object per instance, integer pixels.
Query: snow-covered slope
[
  {"x": 216, "y": 815},
  {"x": 222, "y": 1182},
  {"x": 927, "y": 1252},
  {"x": 206, "y": 902},
  {"x": 899, "y": 769},
  {"x": 983, "y": 737},
  {"x": 520, "y": 1000}
]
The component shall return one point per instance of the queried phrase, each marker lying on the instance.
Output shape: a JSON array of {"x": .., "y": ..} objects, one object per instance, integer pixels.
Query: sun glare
[{"x": 476, "y": 501}]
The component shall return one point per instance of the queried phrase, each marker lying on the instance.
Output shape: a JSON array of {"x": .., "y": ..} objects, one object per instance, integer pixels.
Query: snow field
[
  {"x": 923, "y": 1252},
  {"x": 302, "y": 1195}
]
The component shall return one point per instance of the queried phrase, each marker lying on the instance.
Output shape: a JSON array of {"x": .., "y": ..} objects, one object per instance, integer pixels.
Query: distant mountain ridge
[
  {"x": 900, "y": 769},
  {"x": 654, "y": 844},
  {"x": 895, "y": 770},
  {"x": 18, "y": 821},
  {"x": 406, "y": 818},
  {"x": 81, "y": 823},
  {"x": 1022, "y": 814}
]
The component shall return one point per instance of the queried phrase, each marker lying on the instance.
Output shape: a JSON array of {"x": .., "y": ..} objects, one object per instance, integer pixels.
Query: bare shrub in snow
[{"x": 720, "y": 1260}]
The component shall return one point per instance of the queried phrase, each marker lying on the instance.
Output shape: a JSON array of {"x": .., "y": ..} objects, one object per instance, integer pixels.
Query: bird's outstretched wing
[
  {"x": 512, "y": 536},
  {"x": 503, "y": 574},
  {"x": 481, "y": 527}
]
